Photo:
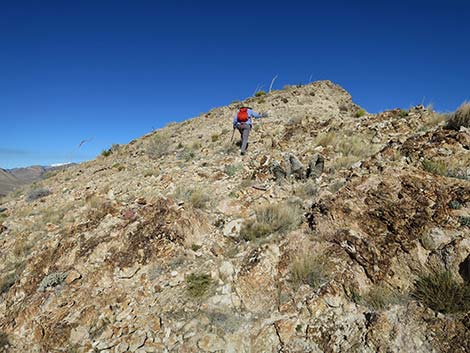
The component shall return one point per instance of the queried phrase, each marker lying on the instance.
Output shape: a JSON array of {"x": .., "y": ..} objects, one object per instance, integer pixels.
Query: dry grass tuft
[
  {"x": 380, "y": 298},
  {"x": 461, "y": 118},
  {"x": 159, "y": 145},
  {"x": 434, "y": 167},
  {"x": 439, "y": 291},
  {"x": 197, "y": 197},
  {"x": 198, "y": 285},
  {"x": 271, "y": 218},
  {"x": 310, "y": 270}
]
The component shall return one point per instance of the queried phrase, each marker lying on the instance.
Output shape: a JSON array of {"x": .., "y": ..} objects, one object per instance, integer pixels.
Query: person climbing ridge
[{"x": 242, "y": 122}]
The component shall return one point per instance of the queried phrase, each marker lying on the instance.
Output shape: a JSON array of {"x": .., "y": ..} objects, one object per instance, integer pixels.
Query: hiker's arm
[
  {"x": 235, "y": 120},
  {"x": 254, "y": 115}
]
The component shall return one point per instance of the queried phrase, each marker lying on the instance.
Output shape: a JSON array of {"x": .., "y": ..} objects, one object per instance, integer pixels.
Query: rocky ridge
[{"x": 148, "y": 249}]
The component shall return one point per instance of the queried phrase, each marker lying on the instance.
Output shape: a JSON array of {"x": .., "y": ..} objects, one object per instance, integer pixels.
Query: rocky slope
[{"x": 318, "y": 240}]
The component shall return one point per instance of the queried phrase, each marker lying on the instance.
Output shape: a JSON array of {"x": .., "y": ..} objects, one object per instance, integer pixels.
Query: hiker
[{"x": 242, "y": 122}]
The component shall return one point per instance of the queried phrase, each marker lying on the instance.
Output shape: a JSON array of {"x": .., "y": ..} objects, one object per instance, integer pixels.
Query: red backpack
[{"x": 242, "y": 115}]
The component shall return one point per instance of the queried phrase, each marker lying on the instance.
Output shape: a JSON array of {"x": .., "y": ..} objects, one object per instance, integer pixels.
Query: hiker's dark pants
[{"x": 244, "y": 133}]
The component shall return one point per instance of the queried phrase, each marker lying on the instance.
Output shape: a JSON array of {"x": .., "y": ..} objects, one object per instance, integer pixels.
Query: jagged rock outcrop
[{"x": 175, "y": 242}]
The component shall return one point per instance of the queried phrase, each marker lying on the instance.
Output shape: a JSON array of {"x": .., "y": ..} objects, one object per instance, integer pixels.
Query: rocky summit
[{"x": 338, "y": 231}]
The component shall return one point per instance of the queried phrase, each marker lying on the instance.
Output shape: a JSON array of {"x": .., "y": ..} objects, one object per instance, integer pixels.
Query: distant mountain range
[{"x": 10, "y": 179}]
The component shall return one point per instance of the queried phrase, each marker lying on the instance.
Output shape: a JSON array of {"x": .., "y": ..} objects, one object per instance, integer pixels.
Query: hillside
[
  {"x": 13, "y": 178},
  {"x": 339, "y": 231}
]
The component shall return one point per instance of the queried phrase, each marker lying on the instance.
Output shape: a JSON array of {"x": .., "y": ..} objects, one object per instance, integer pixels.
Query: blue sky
[{"x": 113, "y": 70}]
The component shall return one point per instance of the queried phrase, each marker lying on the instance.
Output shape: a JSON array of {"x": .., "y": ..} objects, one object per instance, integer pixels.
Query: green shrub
[
  {"x": 198, "y": 285},
  {"x": 106, "y": 153},
  {"x": 214, "y": 137},
  {"x": 455, "y": 205},
  {"x": 403, "y": 113},
  {"x": 260, "y": 93},
  {"x": 359, "y": 113},
  {"x": 119, "y": 166},
  {"x": 435, "y": 167},
  {"x": 309, "y": 270},
  {"x": 461, "y": 118},
  {"x": 271, "y": 218},
  {"x": 464, "y": 221},
  {"x": 442, "y": 293},
  {"x": 52, "y": 280},
  {"x": 195, "y": 247}
]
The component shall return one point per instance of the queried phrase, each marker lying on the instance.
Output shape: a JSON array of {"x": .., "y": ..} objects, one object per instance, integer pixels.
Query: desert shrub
[
  {"x": 99, "y": 327},
  {"x": 159, "y": 145},
  {"x": 336, "y": 186},
  {"x": 7, "y": 281},
  {"x": 359, "y": 113},
  {"x": 461, "y": 118},
  {"x": 53, "y": 215},
  {"x": 52, "y": 280},
  {"x": 326, "y": 139},
  {"x": 309, "y": 270},
  {"x": 151, "y": 172},
  {"x": 232, "y": 169},
  {"x": 435, "y": 119},
  {"x": 306, "y": 189},
  {"x": 13, "y": 272},
  {"x": 260, "y": 93},
  {"x": 455, "y": 205},
  {"x": 215, "y": 137},
  {"x": 106, "y": 153},
  {"x": 4, "y": 342},
  {"x": 195, "y": 247},
  {"x": 435, "y": 167},
  {"x": 350, "y": 148},
  {"x": 119, "y": 166},
  {"x": 464, "y": 221},
  {"x": 187, "y": 154},
  {"x": 37, "y": 194},
  {"x": 403, "y": 113},
  {"x": 271, "y": 218},
  {"x": 198, "y": 285},
  {"x": 228, "y": 148},
  {"x": 197, "y": 197},
  {"x": 379, "y": 298},
  {"x": 439, "y": 291},
  {"x": 353, "y": 146},
  {"x": 344, "y": 162},
  {"x": 51, "y": 173}
]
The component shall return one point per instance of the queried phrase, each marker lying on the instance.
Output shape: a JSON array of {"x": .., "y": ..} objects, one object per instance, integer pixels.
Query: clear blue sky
[{"x": 113, "y": 70}]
